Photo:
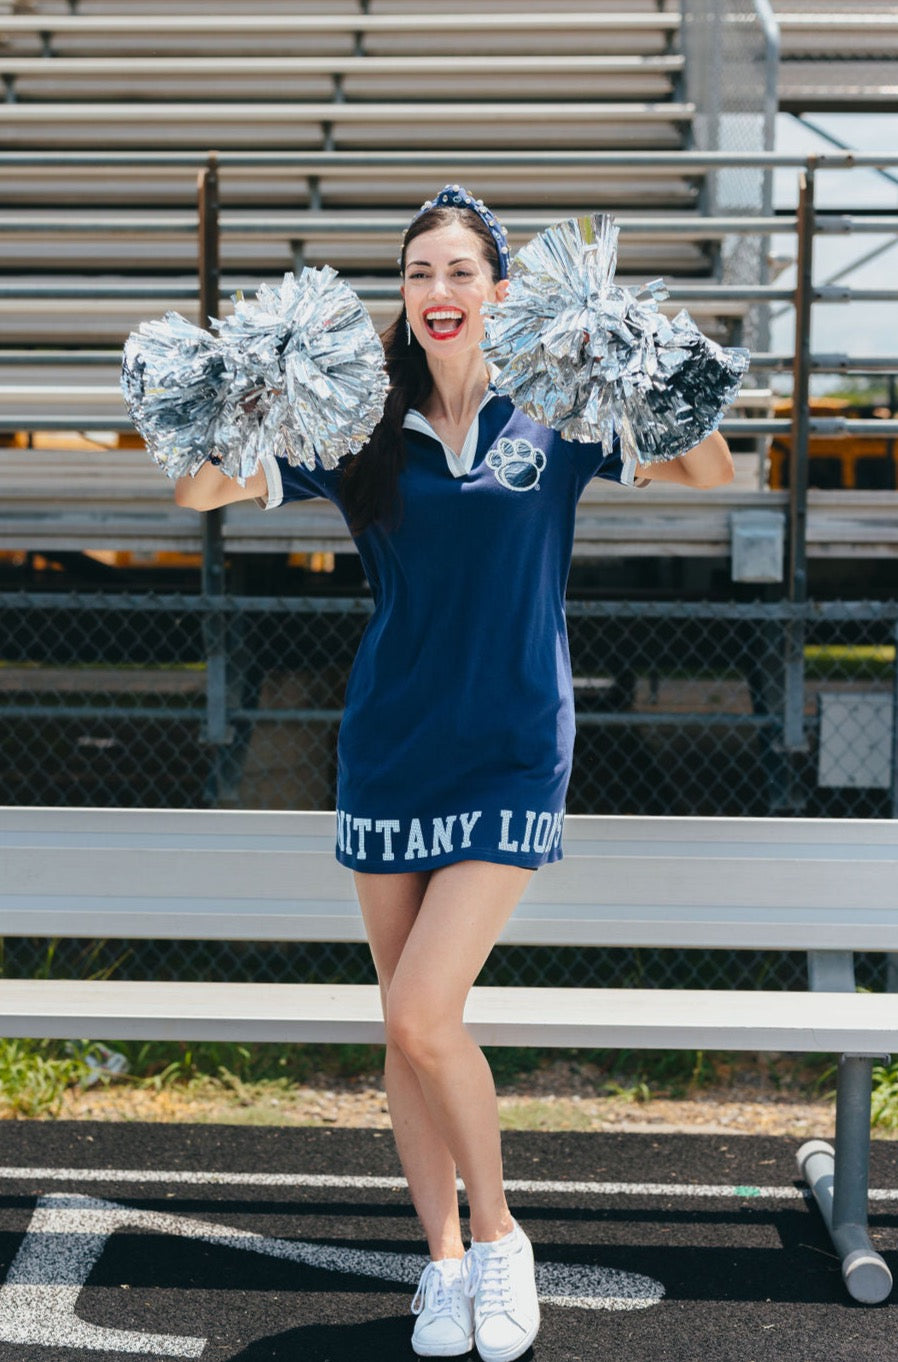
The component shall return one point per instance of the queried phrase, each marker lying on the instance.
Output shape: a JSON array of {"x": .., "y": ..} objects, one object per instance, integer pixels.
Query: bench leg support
[{"x": 839, "y": 1180}]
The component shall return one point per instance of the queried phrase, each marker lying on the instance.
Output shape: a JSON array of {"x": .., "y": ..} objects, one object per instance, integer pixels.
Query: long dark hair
[{"x": 370, "y": 482}]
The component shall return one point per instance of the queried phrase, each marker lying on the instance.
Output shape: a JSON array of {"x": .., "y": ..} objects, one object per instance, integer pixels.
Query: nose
[{"x": 438, "y": 287}]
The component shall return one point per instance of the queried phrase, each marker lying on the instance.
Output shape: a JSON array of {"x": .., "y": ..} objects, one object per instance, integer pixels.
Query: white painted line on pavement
[
  {"x": 191, "y": 1178},
  {"x": 68, "y": 1233}
]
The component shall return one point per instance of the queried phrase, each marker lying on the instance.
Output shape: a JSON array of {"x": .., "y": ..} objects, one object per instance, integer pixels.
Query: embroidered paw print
[{"x": 517, "y": 464}]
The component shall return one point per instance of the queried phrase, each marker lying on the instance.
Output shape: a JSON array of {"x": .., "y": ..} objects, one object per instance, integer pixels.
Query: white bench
[{"x": 824, "y": 886}]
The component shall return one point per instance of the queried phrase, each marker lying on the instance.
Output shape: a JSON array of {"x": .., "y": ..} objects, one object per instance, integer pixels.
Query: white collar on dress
[{"x": 460, "y": 464}]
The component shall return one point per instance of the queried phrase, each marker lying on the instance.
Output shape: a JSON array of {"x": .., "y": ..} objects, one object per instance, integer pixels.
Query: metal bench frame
[{"x": 826, "y": 886}]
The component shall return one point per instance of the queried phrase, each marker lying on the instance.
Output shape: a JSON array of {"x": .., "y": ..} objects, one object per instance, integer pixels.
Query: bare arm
[
  {"x": 211, "y": 488},
  {"x": 709, "y": 464}
]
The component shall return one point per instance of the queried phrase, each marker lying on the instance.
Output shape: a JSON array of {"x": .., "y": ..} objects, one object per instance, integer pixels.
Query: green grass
[
  {"x": 885, "y": 1096},
  {"x": 831, "y": 662},
  {"x": 34, "y": 1076}
]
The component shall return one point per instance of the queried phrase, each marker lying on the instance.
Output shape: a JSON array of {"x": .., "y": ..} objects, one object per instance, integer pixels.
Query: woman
[{"x": 457, "y": 738}]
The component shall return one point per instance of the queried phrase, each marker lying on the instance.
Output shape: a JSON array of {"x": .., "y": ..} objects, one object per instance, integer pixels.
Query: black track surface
[{"x": 746, "y": 1279}]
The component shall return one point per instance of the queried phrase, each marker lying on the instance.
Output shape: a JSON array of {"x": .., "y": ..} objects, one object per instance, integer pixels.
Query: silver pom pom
[
  {"x": 299, "y": 372},
  {"x": 306, "y": 376},
  {"x": 173, "y": 377},
  {"x": 590, "y": 359}
]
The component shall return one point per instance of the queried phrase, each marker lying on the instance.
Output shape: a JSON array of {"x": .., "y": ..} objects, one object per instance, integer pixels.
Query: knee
[{"x": 421, "y": 1031}]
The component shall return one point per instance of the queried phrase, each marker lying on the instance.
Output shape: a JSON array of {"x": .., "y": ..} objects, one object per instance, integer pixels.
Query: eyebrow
[{"x": 462, "y": 259}]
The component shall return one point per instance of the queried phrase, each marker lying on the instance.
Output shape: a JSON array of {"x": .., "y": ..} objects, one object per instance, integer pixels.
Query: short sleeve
[
  {"x": 593, "y": 462},
  {"x": 288, "y": 483}
]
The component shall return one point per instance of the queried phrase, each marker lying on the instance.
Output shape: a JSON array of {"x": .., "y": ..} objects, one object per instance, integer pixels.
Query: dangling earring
[{"x": 408, "y": 332}]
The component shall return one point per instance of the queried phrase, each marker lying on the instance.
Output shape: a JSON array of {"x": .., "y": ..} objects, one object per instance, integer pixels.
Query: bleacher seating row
[
  {"x": 836, "y": 56},
  {"x": 112, "y": 108},
  {"x": 73, "y": 500}
]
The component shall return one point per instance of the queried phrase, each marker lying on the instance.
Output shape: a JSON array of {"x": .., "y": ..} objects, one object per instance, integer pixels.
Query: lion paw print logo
[{"x": 517, "y": 464}]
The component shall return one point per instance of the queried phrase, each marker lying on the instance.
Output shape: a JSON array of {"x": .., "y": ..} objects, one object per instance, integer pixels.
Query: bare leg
[
  {"x": 463, "y": 910},
  {"x": 390, "y": 905}
]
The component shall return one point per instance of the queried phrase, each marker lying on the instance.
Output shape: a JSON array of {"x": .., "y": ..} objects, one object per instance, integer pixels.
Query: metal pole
[
  {"x": 801, "y": 381},
  {"x": 208, "y": 269},
  {"x": 794, "y": 740},
  {"x": 864, "y": 1272},
  {"x": 213, "y": 579},
  {"x": 893, "y": 411},
  {"x": 892, "y": 956},
  {"x": 770, "y": 34},
  {"x": 895, "y": 726}
]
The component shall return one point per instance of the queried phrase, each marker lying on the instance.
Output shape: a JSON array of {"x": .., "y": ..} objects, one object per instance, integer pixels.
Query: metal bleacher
[
  {"x": 328, "y": 85},
  {"x": 837, "y": 57},
  {"x": 330, "y": 122}
]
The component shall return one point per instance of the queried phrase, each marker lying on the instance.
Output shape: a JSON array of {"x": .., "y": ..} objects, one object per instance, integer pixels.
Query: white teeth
[{"x": 444, "y": 316}]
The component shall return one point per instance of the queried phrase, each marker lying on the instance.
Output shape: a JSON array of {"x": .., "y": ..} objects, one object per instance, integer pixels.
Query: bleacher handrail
[
  {"x": 807, "y": 222},
  {"x": 462, "y": 159},
  {"x": 308, "y": 222},
  {"x": 415, "y": 22},
  {"x": 583, "y": 62},
  {"x": 838, "y": 23}
]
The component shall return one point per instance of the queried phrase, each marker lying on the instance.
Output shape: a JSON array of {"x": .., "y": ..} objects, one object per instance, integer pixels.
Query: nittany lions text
[{"x": 395, "y": 839}]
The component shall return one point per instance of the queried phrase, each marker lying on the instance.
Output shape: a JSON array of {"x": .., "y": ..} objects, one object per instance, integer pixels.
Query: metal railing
[
  {"x": 212, "y": 232},
  {"x": 807, "y": 223},
  {"x": 769, "y": 707},
  {"x": 193, "y": 700},
  {"x": 732, "y": 53}
]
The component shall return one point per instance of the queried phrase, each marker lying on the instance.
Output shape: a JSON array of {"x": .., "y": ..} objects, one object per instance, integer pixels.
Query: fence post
[
  {"x": 794, "y": 738},
  {"x": 895, "y": 725},
  {"x": 892, "y": 957},
  {"x": 217, "y": 731}
]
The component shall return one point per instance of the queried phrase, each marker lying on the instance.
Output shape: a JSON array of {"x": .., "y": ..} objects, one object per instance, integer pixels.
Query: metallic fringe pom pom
[
  {"x": 591, "y": 360},
  {"x": 299, "y": 372},
  {"x": 173, "y": 376}
]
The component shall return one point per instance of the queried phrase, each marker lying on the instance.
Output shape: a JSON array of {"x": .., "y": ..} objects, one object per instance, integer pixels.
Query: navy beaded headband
[{"x": 454, "y": 196}]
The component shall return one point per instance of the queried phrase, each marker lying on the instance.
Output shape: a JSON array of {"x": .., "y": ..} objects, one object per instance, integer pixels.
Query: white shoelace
[
  {"x": 487, "y": 1275},
  {"x": 436, "y": 1284}
]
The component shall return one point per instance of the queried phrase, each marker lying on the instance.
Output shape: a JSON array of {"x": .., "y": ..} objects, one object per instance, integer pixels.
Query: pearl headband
[{"x": 454, "y": 196}]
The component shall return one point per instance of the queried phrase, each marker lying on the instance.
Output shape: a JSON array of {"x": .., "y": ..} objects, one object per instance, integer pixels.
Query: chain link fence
[
  {"x": 732, "y": 62},
  {"x": 105, "y": 700}
]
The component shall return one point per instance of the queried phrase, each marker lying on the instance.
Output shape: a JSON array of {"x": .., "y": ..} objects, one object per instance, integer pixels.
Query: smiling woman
[
  {"x": 445, "y": 292},
  {"x": 457, "y": 738}
]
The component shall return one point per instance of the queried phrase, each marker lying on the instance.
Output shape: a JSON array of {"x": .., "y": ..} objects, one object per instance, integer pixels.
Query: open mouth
[{"x": 443, "y": 323}]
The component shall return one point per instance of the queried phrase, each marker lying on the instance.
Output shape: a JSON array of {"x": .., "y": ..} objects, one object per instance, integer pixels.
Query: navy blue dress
[{"x": 458, "y": 730}]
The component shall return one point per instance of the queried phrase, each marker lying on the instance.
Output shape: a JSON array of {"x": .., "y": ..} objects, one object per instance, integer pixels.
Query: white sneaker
[
  {"x": 501, "y": 1280},
  {"x": 445, "y": 1323}
]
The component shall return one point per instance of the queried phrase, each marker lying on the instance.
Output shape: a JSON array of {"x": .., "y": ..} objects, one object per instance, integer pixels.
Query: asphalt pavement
[{"x": 240, "y": 1244}]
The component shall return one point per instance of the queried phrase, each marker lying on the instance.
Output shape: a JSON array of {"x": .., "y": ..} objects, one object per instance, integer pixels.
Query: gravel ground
[
  {"x": 359, "y": 1107},
  {"x": 558, "y": 1096}
]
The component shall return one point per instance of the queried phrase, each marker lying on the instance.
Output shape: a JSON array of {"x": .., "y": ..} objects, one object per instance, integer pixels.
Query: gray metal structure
[
  {"x": 732, "y": 50},
  {"x": 838, "y": 57},
  {"x": 662, "y": 881},
  {"x": 723, "y": 108}
]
